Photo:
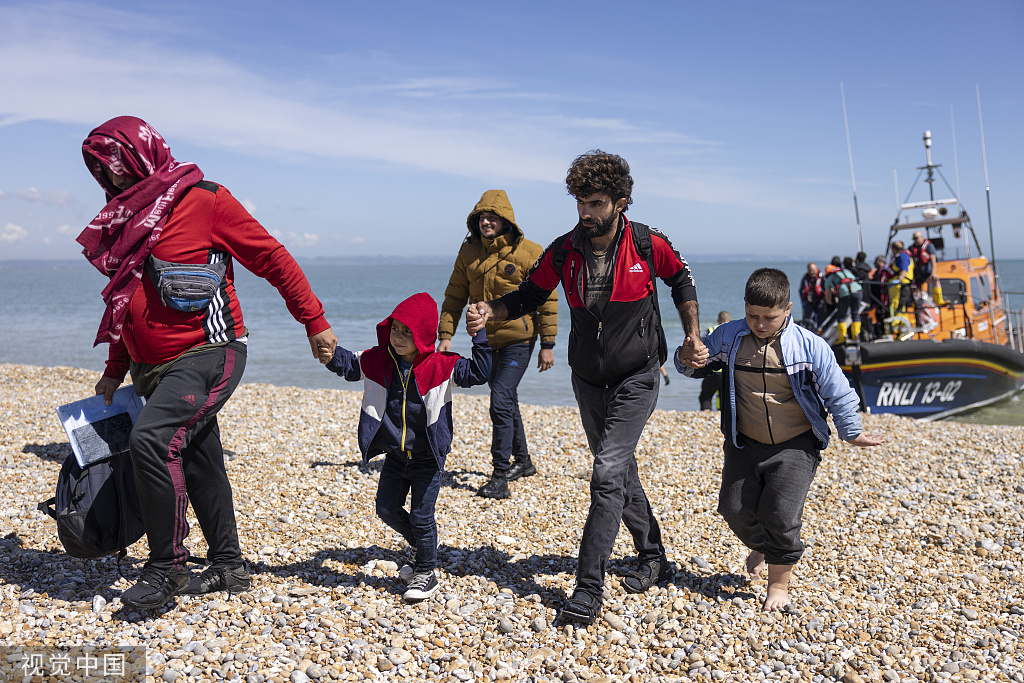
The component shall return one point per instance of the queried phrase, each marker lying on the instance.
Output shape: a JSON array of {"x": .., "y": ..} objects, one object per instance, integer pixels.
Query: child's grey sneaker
[
  {"x": 406, "y": 573},
  {"x": 421, "y": 586}
]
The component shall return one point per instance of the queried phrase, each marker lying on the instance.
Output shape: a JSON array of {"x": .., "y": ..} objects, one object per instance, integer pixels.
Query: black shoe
[
  {"x": 496, "y": 487},
  {"x": 647, "y": 574},
  {"x": 421, "y": 586},
  {"x": 521, "y": 468},
  {"x": 155, "y": 588},
  {"x": 214, "y": 579},
  {"x": 581, "y": 608}
]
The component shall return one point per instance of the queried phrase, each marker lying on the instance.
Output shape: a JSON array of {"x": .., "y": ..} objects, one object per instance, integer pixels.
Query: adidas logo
[
  {"x": 190, "y": 399},
  {"x": 636, "y": 268}
]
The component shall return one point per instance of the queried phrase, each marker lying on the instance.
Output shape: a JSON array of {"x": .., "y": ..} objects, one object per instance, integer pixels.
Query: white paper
[{"x": 92, "y": 432}]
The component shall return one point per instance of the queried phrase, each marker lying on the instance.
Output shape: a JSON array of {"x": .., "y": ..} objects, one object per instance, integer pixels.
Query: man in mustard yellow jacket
[{"x": 493, "y": 260}]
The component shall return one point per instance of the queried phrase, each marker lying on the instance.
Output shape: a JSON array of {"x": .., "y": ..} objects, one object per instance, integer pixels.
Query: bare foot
[
  {"x": 778, "y": 587},
  {"x": 755, "y": 564}
]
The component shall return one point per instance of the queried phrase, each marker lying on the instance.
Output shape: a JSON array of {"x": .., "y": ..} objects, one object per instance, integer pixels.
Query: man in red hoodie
[{"x": 167, "y": 240}]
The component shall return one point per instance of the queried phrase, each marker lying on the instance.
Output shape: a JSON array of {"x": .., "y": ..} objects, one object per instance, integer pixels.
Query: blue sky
[{"x": 364, "y": 129}]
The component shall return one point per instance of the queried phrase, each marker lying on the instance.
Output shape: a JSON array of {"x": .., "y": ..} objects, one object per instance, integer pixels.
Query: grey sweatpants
[
  {"x": 763, "y": 492},
  {"x": 613, "y": 418}
]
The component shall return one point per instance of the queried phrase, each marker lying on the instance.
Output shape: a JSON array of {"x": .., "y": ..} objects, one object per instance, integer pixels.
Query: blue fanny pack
[{"x": 186, "y": 287}]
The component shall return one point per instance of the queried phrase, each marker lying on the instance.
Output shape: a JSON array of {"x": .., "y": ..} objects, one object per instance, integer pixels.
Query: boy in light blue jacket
[{"x": 779, "y": 383}]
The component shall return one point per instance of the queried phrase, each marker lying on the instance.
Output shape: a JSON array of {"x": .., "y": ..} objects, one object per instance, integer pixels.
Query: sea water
[{"x": 51, "y": 311}]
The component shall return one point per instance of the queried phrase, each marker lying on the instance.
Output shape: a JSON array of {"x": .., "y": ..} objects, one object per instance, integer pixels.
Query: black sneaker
[
  {"x": 521, "y": 468},
  {"x": 214, "y": 579},
  {"x": 581, "y": 608},
  {"x": 647, "y": 574},
  {"x": 421, "y": 586},
  {"x": 155, "y": 588},
  {"x": 496, "y": 487}
]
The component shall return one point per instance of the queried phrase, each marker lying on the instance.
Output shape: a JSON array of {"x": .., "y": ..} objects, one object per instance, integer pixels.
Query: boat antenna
[
  {"x": 853, "y": 178},
  {"x": 984, "y": 159},
  {"x": 956, "y": 164}
]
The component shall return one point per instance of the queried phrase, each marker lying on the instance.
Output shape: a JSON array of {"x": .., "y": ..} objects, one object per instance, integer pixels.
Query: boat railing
[{"x": 1015, "y": 329}]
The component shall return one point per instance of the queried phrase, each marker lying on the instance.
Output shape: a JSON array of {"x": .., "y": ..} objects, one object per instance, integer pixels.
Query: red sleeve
[
  {"x": 673, "y": 269},
  {"x": 118, "y": 361},
  {"x": 544, "y": 275},
  {"x": 238, "y": 233}
]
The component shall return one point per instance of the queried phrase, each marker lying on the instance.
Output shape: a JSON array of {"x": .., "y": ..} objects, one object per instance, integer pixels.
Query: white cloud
[
  {"x": 65, "y": 230},
  {"x": 61, "y": 198},
  {"x": 249, "y": 205},
  {"x": 206, "y": 99},
  {"x": 12, "y": 234},
  {"x": 306, "y": 239}
]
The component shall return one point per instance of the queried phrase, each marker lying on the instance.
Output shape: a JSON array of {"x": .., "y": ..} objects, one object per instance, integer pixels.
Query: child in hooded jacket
[{"x": 407, "y": 416}]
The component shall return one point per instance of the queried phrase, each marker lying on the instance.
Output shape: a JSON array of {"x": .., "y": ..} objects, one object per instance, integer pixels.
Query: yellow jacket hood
[{"x": 496, "y": 201}]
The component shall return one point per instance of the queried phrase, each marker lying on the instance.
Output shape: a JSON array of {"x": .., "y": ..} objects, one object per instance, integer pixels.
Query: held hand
[
  {"x": 865, "y": 440},
  {"x": 107, "y": 386},
  {"x": 693, "y": 352},
  {"x": 545, "y": 359},
  {"x": 323, "y": 345},
  {"x": 444, "y": 345},
  {"x": 476, "y": 317}
]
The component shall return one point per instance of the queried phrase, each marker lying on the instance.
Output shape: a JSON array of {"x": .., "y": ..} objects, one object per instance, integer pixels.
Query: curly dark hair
[{"x": 598, "y": 171}]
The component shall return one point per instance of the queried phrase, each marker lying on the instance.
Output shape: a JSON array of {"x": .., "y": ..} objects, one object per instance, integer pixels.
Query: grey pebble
[{"x": 614, "y": 621}]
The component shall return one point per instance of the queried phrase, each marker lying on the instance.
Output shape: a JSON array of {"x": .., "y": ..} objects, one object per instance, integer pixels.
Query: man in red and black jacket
[{"x": 606, "y": 266}]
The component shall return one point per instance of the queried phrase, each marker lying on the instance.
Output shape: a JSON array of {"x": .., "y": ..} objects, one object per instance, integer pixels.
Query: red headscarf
[{"x": 119, "y": 240}]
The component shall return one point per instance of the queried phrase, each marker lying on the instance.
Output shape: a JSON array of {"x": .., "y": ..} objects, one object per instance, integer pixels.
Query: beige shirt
[{"x": 766, "y": 408}]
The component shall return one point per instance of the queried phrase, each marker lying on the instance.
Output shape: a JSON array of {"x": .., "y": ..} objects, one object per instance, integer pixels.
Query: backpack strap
[{"x": 645, "y": 248}]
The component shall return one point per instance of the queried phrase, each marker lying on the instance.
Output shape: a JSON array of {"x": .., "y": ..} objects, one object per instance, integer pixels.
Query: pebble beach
[{"x": 913, "y": 570}]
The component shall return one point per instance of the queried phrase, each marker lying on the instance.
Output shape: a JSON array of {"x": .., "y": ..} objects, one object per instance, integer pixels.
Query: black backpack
[{"x": 97, "y": 507}]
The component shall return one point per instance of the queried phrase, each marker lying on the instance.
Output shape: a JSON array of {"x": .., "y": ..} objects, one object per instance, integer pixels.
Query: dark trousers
[
  {"x": 763, "y": 492},
  {"x": 614, "y": 418},
  {"x": 710, "y": 386},
  {"x": 508, "y": 437},
  {"x": 176, "y": 451},
  {"x": 812, "y": 313},
  {"x": 848, "y": 307},
  {"x": 420, "y": 475}
]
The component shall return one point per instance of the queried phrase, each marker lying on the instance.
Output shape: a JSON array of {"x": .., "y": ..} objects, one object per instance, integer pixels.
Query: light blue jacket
[{"x": 814, "y": 374}]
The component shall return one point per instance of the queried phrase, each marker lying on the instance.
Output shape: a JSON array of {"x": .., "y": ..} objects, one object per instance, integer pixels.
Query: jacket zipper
[{"x": 404, "y": 379}]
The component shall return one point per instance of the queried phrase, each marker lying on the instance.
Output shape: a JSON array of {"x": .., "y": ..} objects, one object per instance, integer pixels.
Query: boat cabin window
[
  {"x": 953, "y": 291},
  {"x": 981, "y": 290}
]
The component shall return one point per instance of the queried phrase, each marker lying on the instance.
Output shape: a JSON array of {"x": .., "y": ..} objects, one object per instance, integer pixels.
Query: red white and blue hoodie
[{"x": 412, "y": 415}]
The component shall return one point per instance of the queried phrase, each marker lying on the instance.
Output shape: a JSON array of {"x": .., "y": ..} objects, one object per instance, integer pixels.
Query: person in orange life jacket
[
  {"x": 185, "y": 358},
  {"x": 494, "y": 258},
  {"x": 407, "y": 417},
  {"x": 901, "y": 279},
  {"x": 780, "y": 382},
  {"x": 811, "y": 297},
  {"x": 712, "y": 384},
  {"x": 616, "y": 349},
  {"x": 842, "y": 287},
  {"x": 924, "y": 255}
]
